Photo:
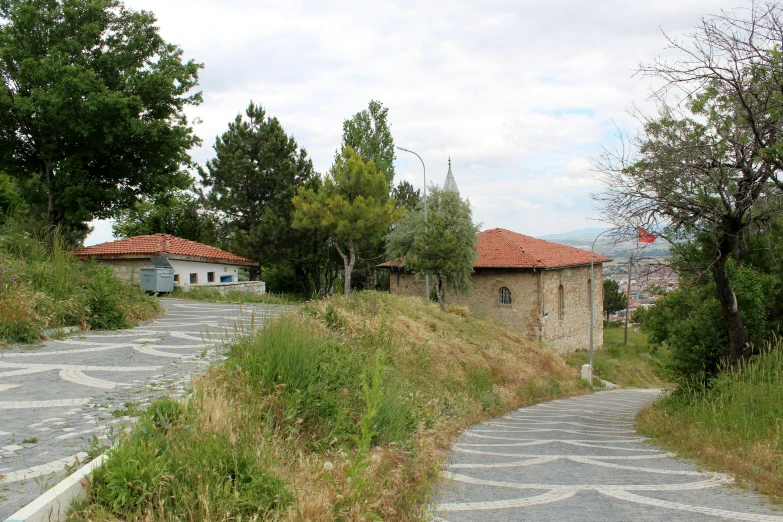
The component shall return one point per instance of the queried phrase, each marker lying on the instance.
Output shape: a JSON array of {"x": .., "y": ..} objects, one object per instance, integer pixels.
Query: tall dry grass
[
  {"x": 43, "y": 286},
  {"x": 733, "y": 423},
  {"x": 345, "y": 410}
]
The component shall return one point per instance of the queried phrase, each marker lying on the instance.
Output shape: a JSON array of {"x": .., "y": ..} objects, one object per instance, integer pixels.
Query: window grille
[{"x": 504, "y": 296}]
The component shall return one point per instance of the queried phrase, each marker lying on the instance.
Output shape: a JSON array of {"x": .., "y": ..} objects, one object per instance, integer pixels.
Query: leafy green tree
[
  {"x": 406, "y": 195},
  {"x": 256, "y": 172},
  {"x": 707, "y": 170},
  {"x": 10, "y": 195},
  {"x": 614, "y": 299},
  {"x": 353, "y": 204},
  {"x": 368, "y": 133},
  {"x": 690, "y": 320},
  {"x": 92, "y": 105},
  {"x": 178, "y": 213},
  {"x": 445, "y": 247}
]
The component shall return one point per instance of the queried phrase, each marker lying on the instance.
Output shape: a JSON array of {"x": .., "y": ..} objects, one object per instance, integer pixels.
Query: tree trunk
[
  {"x": 304, "y": 281},
  {"x": 440, "y": 292},
  {"x": 348, "y": 263},
  {"x": 739, "y": 342}
]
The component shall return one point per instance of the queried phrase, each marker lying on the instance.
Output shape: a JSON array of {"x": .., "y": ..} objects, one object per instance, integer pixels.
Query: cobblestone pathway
[
  {"x": 56, "y": 398},
  {"x": 580, "y": 459}
]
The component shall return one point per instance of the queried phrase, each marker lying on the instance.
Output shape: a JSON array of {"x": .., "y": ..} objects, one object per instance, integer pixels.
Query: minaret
[{"x": 450, "y": 185}]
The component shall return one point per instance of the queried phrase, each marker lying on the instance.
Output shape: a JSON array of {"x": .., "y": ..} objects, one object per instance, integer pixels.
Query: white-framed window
[{"x": 504, "y": 296}]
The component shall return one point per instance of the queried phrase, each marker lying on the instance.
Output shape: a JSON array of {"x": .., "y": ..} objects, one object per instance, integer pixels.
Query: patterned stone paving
[
  {"x": 580, "y": 459},
  {"x": 57, "y": 398}
]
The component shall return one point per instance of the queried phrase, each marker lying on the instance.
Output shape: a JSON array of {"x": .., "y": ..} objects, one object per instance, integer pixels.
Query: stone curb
[{"x": 52, "y": 505}]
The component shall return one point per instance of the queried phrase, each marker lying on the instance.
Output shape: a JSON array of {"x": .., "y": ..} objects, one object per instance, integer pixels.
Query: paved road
[
  {"x": 55, "y": 398},
  {"x": 580, "y": 459}
]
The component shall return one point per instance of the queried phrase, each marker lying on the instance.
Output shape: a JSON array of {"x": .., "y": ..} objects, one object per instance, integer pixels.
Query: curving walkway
[
  {"x": 56, "y": 398},
  {"x": 581, "y": 459}
]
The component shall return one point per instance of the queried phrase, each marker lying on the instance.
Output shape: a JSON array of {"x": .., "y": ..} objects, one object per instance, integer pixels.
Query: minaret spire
[{"x": 451, "y": 184}]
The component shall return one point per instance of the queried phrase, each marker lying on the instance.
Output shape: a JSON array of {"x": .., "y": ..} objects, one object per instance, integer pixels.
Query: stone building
[
  {"x": 194, "y": 264},
  {"x": 538, "y": 287}
]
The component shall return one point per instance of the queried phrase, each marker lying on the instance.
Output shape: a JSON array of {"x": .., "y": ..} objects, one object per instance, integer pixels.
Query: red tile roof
[
  {"x": 501, "y": 248},
  {"x": 159, "y": 244}
]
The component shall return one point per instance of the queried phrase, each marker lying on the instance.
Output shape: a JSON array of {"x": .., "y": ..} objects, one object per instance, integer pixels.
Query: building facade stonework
[{"x": 549, "y": 302}]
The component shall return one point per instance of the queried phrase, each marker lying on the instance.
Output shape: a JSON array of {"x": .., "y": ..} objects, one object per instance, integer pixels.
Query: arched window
[
  {"x": 504, "y": 296},
  {"x": 560, "y": 302}
]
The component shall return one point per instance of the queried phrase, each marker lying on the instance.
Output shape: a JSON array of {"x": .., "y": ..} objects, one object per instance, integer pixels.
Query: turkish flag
[{"x": 646, "y": 236}]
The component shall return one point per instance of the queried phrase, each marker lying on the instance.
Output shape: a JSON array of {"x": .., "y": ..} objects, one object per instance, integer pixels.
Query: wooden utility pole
[{"x": 628, "y": 301}]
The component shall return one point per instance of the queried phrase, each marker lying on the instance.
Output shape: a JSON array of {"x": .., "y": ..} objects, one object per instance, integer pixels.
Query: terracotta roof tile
[
  {"x": 501, "y": 248},
  {"x": 158, "y": 244}
]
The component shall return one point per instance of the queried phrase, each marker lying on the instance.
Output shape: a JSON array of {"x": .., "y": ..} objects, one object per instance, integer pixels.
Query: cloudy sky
[{"x": 520, "y": 94}]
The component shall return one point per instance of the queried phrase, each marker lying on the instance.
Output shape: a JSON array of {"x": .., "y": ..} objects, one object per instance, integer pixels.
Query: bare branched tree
[{"x": 708, "y": 165}]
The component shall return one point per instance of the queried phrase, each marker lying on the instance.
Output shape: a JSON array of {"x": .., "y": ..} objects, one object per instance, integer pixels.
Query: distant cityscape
[{"x": 650, "y": 278}]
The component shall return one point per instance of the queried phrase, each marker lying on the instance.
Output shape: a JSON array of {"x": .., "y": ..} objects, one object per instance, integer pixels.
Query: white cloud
[{"x": 519, "y": 94}]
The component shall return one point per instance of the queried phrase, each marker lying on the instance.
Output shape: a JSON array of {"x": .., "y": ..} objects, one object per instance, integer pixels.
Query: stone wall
[
  {"x": 127, "y": 269},
  {"x": 537, "y": 320},
  {"x": 255, "y": 287},
  {"x": 571, "y": 330}
]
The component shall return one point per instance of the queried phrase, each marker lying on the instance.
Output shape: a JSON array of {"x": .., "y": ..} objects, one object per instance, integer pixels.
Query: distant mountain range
[
  {"x": 574, "y": 234},
  {"x": 584, "y": 237}
]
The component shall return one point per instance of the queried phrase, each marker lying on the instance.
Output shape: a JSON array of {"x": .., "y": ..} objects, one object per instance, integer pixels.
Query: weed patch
[
  {"x": 635, "y": 365},
  {"x": 327, "y": 414},
  {"x": 236, "y": 296},
  {"x": 733, "y": 423},
  {"x": 46, "y": 287}
]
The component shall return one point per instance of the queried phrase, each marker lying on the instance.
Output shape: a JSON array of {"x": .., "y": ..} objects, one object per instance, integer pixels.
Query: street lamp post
[
  {"x": 587, "y": 369},
  {"x": 426, "y": 276}
]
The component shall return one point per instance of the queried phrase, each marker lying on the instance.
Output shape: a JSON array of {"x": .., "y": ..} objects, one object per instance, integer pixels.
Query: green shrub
[
  {"x": 166, "y": 463},
  {"x": 211, "y": 295},
  {"x": 42, "y": 286},
  {"x": 734, "y": 422}
]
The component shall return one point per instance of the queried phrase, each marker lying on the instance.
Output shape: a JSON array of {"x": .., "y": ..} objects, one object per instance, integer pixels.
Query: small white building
[{"x": 193, "y": 263}]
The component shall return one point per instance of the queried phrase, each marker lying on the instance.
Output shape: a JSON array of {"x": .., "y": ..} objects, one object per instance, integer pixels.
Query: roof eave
[{"x": 176, "y": 257}]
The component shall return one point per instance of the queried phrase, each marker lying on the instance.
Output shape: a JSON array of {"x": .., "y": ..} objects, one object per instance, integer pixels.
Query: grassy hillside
[
  {"x": 343, "y": 411},
  {"x": 42, "y": 288},
  {"x": 734, "y": 425},
  {"x": 635, "y": 365}
]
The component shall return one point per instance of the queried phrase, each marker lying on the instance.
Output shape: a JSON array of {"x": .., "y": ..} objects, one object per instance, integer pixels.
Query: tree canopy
[
  {"x": 252, "y": 179},
  {"x": 614, "y": 299},
  {"x": 368, "y": 133},
  {"x": 92, "y": 105},
  {"x": 705, "y": 171},
  {"x": 353, "y": 204},
  {"x": 406, "y": 195},
  {"x": 444, "y": 246},
  {"x": 178, "y": 213}
]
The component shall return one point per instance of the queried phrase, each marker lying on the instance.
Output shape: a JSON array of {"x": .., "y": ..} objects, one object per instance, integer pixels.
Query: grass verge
[
  {"x": 734, "y": 425},
  {"x": 43, "y": 288},
  {"x": 236, "y": 296},
  {"x": 635, "y": 365},
  {"x": 341, "y": 411}
]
